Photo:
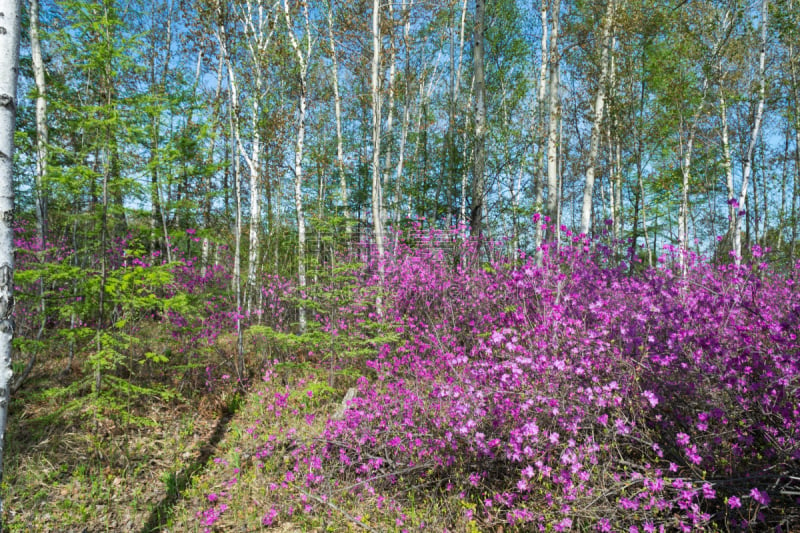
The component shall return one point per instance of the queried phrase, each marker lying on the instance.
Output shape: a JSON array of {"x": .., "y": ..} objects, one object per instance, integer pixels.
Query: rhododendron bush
[{"x": 571, "y": 395}]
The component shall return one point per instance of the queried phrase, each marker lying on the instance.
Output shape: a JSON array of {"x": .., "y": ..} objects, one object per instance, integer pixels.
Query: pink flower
[
  {"x": 650, "y": 398},
  {"x": 734, "y": 502},
  {"x": 760, "y": 496}
]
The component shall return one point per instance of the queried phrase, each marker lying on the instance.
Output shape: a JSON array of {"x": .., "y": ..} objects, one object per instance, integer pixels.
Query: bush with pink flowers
[{"x": 569, "y": 395}]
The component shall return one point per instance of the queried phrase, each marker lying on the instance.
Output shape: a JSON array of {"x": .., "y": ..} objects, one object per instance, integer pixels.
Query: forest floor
[{"x": 71, "y": 468}]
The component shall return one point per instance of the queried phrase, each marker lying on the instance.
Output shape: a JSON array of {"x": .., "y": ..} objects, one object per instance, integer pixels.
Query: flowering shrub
[
  {"x": 567, "y": 395},
  {"x": 562, "y": 395}
]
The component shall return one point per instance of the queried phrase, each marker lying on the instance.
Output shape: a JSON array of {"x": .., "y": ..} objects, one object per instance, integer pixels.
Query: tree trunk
[
  {"x": 237, "y": 238},
  {"x": 206, "y": 246},
  {"x": 337, "y": 110},
  {"x": 479, "y": 168},
  {"x": 41, "y": 161},
  {"x": 554, "y": 110},
  {"x": 796, "y": 94},
  {"x": 9, "y": 67},
  {"x": 41, "y": 124},
  {"x": 377, "y": 194},
  {"x": 406, "y": 117},
  {"x": 599, "y": 103},
  {"x": 389, "y": 119},
  {"x": 748, "y": 162},
  {"x": 303, "y": 58},
  {"x": 539, "y": 171},
  {"x": 733, "y": 211}
]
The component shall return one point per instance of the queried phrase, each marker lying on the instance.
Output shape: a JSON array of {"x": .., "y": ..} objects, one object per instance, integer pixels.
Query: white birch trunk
[
  {"x": 377, "y": 195},
  {"x": 686, "y": 168},
  {"x": 389, "y": 120},
  {"x": 554, "y": 109},
  {"x": 254, "y": 164},
  {"x": 9, "y": 68},
  {"x": 41, "y": 123},
  {"x": 599, "y": 103},
  {"x": 727, "y": 165},
  {"x": 616, "y": 213},
  {"x": 420, "y": 111},
  {"x": 683, "y": 214},
  {"x": 479, "y": 168},
  {"x": 41, "y": 164},
  {"x": 540, "y": 162},
  {"x": 406, "y": 117},
  {"x": 259, "y": 28},
  {"x": 206, "y": 250},
  {"x": 337, "y": 111},
  {"x": 237, "y": 257},
  {"x": 754, "y": 134},
  {"x": 462, "y": 215},
  {"x": 303, "y": 56}
]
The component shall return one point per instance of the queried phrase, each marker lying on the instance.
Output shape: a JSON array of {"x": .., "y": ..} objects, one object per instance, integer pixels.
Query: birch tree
[
  {"x": 302, "y": 53},
  {"x": 553, "y": 129},
  {"x": 41, "y": 122},
  {"x": 597, "y": 119},
  {"x": 337, "y": 111},
  {"x": 377, "y": 193},
  {"x": 539, "y": 170},
  {"x": 686, "y": 144},
  {"x": 747, "y": 167},
  {"x": 407, "y": 5},
  {"x": 9, "y": 68},
  {"x": 479, "y": 165},
  {"x": 258, "y": 22}
]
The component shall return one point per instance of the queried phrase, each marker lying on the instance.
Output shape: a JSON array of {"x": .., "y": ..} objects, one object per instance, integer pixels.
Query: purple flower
[
  {"x": 760, "y": 496},
  {"x": 650, "y": 398},
  {"x": 734, "y": 502}
]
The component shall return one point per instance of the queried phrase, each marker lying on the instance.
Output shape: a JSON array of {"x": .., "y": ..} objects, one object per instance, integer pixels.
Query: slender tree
[
  {"x": 9, "y": 68},
  {"x": 747, "y": 169},
  {"x": 377, "y": 193},
  {"x": 302, "y": 50},
  {"x": 479, "y": 111},
  {"x": 597, "y": 119},
  {"x": 337, "y": 109},
  {"x": 553, "y": 129}
]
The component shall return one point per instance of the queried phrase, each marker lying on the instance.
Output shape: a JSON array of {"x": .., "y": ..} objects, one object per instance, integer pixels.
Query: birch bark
[
  {"x": 337, "y": 110},
  {"x": 9, "y": 68},
  {"x": 599, "y": 103},
  {"x": 479, "y": 168},
  {"x": 303, "y": 55},
  {"x": 406, "y": 114},
  {"x": 377, "y": 194},
  {"x": 540, "y": 161},
  {"x": 754, "y": 134},
  {"x": 41, "y": 123},
  {"x": 554, "y": 109}
]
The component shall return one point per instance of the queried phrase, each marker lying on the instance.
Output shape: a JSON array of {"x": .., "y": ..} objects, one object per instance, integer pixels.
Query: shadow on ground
[{"x": 178, "y": 481}]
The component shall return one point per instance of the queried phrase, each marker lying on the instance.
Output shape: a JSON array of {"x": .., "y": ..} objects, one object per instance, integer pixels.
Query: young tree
[
  {"x": 41, "y": 124},
  {"x": 553, "y": 129},
  {"x": 479, "y": 166},
  {"x": 9, "y": 67},
  {"x": 337, "y": 108},
  {"x": 302, "y": 51},
  {"x": 599, "y": 103},
  {"x": 754, "y": 137},
  {"x": 377, "y": 193}
]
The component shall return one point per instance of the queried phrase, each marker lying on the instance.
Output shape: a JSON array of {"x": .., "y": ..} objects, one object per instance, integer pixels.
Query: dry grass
[{"x": 68, "y": 469}]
